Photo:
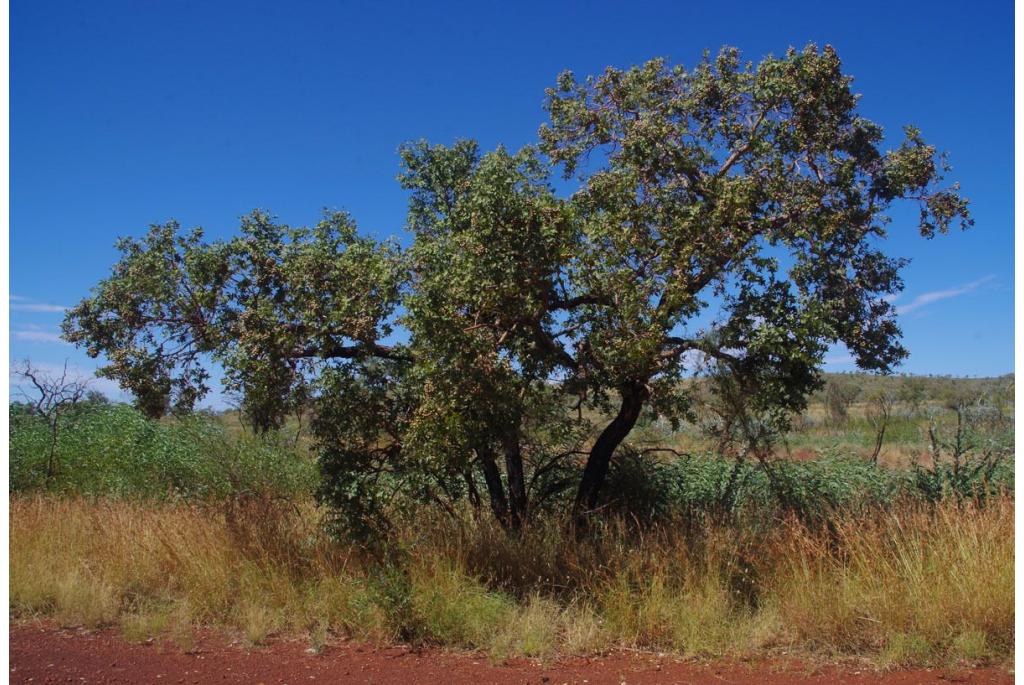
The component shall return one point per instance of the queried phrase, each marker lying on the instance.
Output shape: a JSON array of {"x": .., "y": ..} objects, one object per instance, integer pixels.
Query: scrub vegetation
[{"x": 544, "y": 423}]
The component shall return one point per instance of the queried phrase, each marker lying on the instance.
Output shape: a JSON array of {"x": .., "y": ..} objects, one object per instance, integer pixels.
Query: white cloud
[
  {"x": 38, "y": 336},
  {"x": 936, "y": 295},
  {"x": 39, "y": 307},
  {"x": 15, "y": 298}
]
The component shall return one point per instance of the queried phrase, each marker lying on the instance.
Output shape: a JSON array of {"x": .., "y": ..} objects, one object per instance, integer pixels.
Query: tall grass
[{"x": 914, "y": 584}]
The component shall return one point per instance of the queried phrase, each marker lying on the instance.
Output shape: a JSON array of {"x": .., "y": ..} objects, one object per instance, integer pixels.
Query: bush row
[{"x": 115, "y": 450}]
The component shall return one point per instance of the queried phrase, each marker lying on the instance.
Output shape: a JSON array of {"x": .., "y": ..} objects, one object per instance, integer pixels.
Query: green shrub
[
  {"x": 691, "y": 487},
  {"x": 115, "y": 450}
]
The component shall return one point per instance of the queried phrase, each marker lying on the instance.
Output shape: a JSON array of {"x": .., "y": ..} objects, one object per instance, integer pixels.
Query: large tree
[
  {"x": 755, "y": 192},
  {"x": 729, "y": 215}
]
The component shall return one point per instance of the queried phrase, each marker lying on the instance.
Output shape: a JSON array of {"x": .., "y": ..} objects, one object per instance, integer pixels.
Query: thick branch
[
  {"x": 578, "y": 301},
  {"x": 677, "y": 346},
  {"x": 333, "y": 350},
  {"x": 550, "y": 346}
]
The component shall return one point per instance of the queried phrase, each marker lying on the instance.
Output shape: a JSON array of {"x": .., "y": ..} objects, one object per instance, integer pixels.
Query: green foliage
[
  {"x": 971, "y": 460},
  {"x": 113, "y": 449},
  {"x": 261, "y": 304},
  {"x": 754, "y": 196},
  {"x": 696, "y": 487}
]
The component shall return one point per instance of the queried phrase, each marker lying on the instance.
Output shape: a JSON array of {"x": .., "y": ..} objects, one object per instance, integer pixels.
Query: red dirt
[{"x": 43, "y": 654}]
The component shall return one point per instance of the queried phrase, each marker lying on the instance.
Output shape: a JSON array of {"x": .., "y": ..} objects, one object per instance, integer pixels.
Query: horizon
[{"x": 124, "y": 116}]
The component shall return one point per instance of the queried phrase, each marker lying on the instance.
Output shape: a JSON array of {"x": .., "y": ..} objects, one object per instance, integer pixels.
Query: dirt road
[{"x": 44, "y": 654}]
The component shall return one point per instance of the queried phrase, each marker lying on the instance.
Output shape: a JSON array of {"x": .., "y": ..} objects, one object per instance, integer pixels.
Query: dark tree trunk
[
  {"x": 516, "y": 480},
  {"x": 495, "y": 489},
  {"x": 474, "y": 496},
  {"x": 633, "y": 397}
]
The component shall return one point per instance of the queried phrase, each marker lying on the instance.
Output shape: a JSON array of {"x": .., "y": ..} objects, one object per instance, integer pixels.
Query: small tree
[
  {"x": 840, "y": 394},
  {"x": 744, "y": 426},
  {"x": 50, "y": 397},
  {"x": 878, "y": 414}
]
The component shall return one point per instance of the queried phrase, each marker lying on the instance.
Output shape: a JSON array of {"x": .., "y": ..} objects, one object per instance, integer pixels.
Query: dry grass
[
  {"x": 915, "y": 586},
  {"x": 918, "y": 583}
]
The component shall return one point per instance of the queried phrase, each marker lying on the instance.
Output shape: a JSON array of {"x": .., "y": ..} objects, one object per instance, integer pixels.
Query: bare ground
[{"x": 42, "y": 653}]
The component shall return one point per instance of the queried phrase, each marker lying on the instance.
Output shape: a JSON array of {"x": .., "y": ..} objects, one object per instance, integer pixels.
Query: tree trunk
[
  {"x": 516, "y": 480},
  {"x": 495, "y": 489},
  {"x": 474, "y": 496},
  {"x": 879, "y": 440},
  {"x": 633, "y": 397}
]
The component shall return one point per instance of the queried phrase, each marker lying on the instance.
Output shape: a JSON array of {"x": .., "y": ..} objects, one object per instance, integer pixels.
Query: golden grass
[
  {"x": 941, "y": 578},
  {"x": 907, "y": 587}
]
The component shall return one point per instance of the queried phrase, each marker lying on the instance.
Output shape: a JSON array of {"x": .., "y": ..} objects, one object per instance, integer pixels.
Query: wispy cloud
[
  {"x": 27, "y": 304},
  {"x": 38, "y": 307},
  {"x": 936, "y": 295},
  {"x": 38, "y": 336}
]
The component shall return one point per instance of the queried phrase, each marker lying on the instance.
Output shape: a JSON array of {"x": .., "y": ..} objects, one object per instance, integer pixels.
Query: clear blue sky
[{"x": 130, "y": 113}]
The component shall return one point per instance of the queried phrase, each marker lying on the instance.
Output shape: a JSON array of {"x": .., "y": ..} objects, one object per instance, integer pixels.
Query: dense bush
[
  {"x": 115, "y": 450},
  {"x": 691, "y": 487}
]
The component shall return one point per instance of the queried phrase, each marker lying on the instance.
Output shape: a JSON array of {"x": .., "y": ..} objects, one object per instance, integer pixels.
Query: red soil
[{"x": 43, "y": 654}]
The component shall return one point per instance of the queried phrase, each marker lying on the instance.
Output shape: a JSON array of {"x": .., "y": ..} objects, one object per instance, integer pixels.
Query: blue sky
[{"x": 130, "y": 113}]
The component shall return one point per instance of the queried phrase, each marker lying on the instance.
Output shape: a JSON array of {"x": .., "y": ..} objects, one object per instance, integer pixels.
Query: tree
[
  {"x": 489, "y": 236},
  {"x": 878, "y": 414},
  {"x": 840, "y": 394},
  {"x": 726, "y": 217},
  {"x": 51, "y": 397},
  {"x": 759, "y": 189}
]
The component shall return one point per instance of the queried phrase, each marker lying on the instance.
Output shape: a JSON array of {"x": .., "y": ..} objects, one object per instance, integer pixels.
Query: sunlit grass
[{"x": 915, "y": 585}]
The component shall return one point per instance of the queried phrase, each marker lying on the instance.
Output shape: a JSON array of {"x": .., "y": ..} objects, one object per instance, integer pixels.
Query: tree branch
[
  {"x": 743, "y": 149},
  {"x": 358, "y": 350}
]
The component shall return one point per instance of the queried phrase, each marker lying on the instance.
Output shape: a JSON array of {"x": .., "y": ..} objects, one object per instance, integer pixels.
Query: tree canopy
[{"x": 726, "y": 219}]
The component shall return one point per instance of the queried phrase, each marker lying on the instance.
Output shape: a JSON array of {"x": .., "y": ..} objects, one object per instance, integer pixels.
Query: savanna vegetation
[{"x": 545, "y": 424}]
